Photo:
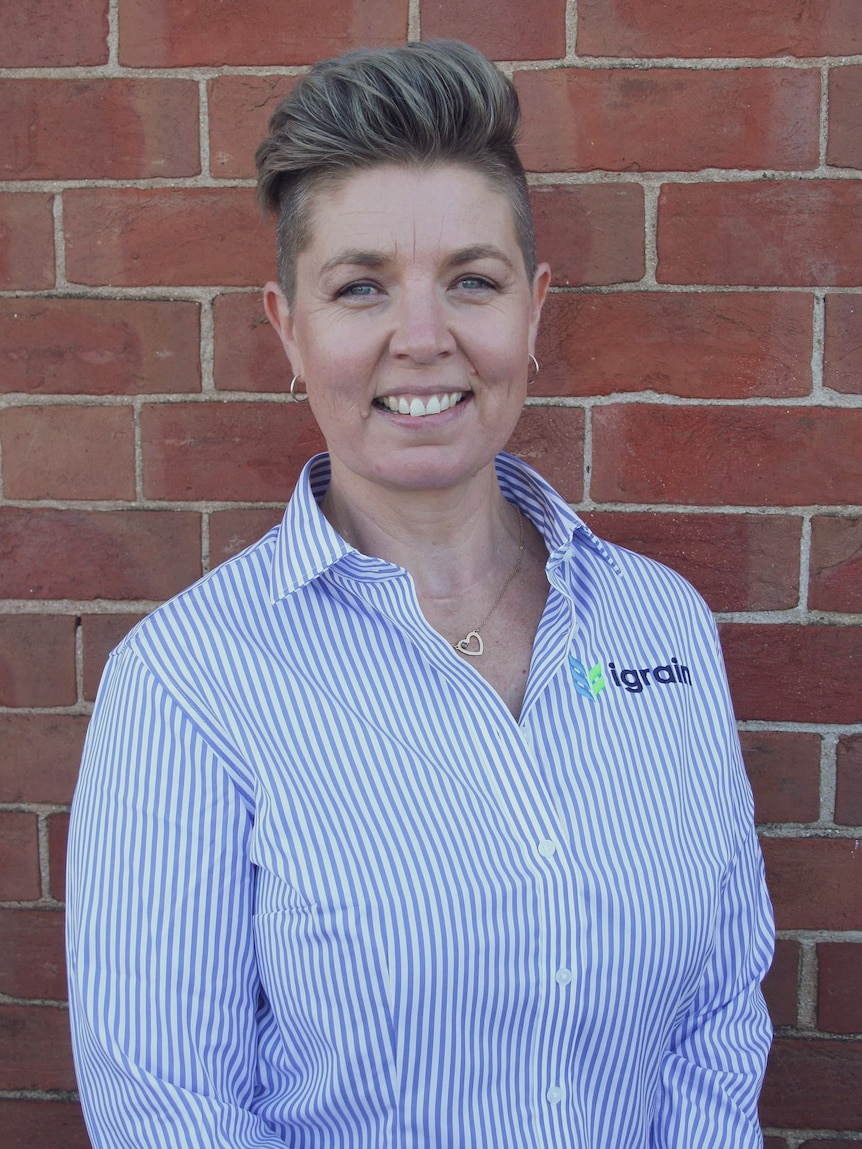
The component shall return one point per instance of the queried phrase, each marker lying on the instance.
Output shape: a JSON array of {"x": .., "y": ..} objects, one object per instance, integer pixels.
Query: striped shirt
[{"x": 325, "y": 891}]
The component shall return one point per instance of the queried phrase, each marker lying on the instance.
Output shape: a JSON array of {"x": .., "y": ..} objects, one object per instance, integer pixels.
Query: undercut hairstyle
[{"x": 414, "y": 106}]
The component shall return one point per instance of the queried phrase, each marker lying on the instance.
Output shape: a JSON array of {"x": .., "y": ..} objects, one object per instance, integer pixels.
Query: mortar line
[
  {"x": 59, "y": 241},
  {"x": 137, "y": 407},
  {"x": 207, "y": 346},
  {"x": 808, "y": 986},
  {"x": 651, "y": 190},
  {"x": 204, "y": 129},
  {"x": 818, "y": 342},
  {"x": 113, "y": 68},
  {"x": 205, "y": 542},
  {"x": 571, "y": 30},
  {"x": 804, "y": 562},
  {"x": 114, "y": 37},
  {"x": 414, "y": 20},
  {"x": 824, "y": 115},
  {"x": 828, "y": 776},
  {"x": 44, "y": 855},
  {"x": 79, "y": 663}
]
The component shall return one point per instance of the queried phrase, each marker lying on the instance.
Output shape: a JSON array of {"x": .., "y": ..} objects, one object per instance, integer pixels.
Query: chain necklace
[{"x": 471, "y": 644}]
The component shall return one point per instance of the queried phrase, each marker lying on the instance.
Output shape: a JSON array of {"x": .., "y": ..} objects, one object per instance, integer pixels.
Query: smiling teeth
[{"x": 417, "y": 407}]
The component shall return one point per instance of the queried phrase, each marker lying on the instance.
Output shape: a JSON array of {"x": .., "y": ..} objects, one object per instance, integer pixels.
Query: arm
[
  {"x": 162, "y": 978},
  {"x": 713, "y": 1069}
]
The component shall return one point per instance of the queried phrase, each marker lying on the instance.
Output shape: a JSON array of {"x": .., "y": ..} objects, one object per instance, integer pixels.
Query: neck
[{"x": 448, "y": 539}]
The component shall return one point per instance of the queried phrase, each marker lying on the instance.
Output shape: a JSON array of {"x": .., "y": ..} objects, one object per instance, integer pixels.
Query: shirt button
[
  {"x": 563, "y": 976},
  {"x": 554, "y": 1095},
  {"x": 547, "y": 848}
]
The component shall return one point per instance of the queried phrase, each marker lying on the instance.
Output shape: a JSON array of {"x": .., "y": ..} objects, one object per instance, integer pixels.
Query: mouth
[{"x": 418, "y": 406}]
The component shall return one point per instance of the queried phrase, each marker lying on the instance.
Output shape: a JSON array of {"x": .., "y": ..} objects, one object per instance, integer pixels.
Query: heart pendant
[{"x": 471, "y": 644}]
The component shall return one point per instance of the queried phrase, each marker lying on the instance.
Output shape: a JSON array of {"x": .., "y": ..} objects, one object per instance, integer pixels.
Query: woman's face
[{"x": 412, "y": 325}]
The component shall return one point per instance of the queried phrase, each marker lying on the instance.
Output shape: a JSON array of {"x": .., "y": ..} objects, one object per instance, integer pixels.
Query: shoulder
[
  {"x": 637, "y": 582},
  {"x": 231, "y": 599}
]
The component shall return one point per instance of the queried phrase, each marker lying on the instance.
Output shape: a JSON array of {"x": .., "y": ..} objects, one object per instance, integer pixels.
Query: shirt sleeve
[
  {"x": 162, "y": 978},
  {"x": 713, "y": 1069}
]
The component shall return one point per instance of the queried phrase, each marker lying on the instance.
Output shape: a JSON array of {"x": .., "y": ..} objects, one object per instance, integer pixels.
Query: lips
[{"x": 419, "y": 406}]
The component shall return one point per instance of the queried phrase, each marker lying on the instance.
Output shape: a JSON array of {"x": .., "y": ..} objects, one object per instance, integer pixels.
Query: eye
[
  {"x": 360, "y": 290},
  {"x": 475, "y": 283}
]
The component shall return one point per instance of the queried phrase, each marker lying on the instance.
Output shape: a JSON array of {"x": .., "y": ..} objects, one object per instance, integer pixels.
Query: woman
[{"x": 422, "y": 822}]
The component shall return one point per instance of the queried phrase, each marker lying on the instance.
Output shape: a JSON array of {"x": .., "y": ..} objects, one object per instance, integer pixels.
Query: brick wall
[{"x": 697, "y": 172}]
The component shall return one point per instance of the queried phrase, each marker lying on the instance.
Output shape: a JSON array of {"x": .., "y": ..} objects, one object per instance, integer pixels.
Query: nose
[{"x": 422, "y": 329}]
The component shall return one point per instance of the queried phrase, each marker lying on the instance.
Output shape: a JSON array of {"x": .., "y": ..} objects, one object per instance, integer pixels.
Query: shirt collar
[{"x": 307, "y": 545}]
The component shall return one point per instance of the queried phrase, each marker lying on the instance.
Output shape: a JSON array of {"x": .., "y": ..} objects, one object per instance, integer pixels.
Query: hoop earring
[
  {"x": 297, "y": 396},
  {"x": 535, "y": 363}
]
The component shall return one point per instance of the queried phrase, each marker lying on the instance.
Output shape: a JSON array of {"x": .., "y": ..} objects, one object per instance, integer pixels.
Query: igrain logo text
[{"x": 590, "y": 683}]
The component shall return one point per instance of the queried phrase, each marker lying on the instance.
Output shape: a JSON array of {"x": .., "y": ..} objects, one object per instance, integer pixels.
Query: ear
[
  {"x": 278, "y": 313},
  {"x": 541, "y": 283}
]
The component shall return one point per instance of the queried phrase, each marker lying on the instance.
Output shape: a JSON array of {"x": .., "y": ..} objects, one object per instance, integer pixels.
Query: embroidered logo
[
  {"x": 635, "y": 680},
  {"x": 590, "y": 683}
]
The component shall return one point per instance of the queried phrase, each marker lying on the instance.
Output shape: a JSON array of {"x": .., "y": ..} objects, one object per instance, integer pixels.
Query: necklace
[{"x": 471, "y": 644}]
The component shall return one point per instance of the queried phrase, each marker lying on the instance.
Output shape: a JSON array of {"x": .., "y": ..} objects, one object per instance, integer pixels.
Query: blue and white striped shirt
[{"x": 325, "y": 891}]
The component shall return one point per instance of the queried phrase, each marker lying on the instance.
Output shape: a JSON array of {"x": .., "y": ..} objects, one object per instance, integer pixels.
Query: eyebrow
[
  {"x": 360, "y": 258},
  {"x": 355, "y": 258},
  {"x": 479, "y": 251}
]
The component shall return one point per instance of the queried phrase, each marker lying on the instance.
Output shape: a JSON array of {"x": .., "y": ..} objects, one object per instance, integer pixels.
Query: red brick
[
  {"x": 42, "y": 1124},
  {"x": 31, "y": 954},
  {"x": 98, "y": 129},
  {"x": 815, "y": 883},
  {"x": 591, "y": 234},
  {"x": 239, "y": 111},
  {"x": 58, "y": 835},
  {"x": 20, "y": 878},
  {"x": 502, "y": 29},
  {"x": 53, "y": 33},
  {"x": 235, "y": 451},
  {"x": 52, "y": 554},
  {"x": 166, "y": 236},
  {"x": 162, "y": 33},
  {"x": 733, "y": 28},
  {"x": 552, "y": 440},
  {"x": 737, "y": 562},
  {"x": 779, "y": 1143},
  {"x": 101, "y": 633},
  {"x": 848, "y": 781},
  {"x": 68, "y": 452},
  {"x": 781, "y": 986},
  {"x": 768, "y": 233},
  {"x": 813, "y": 1084},
  {"x": 669, "y": 119},
  {"x": 723, "y": 345},
  {"x": 743, "y": 456},
  {"x": 37, "y": 660},
  {"x": 233, "y": 531},
  {"x": 784, "y": 771},
  {"x": 787, "y": 673},
  {"x": 35, "y": 1048},
  {"x": 839, "y": 975},
  {"x": 248, "y": 355},
  {"x": 842, "y": 360},
  {"x": 836, "y": 564},
  {"x": 26, "y": 241},
  {"x": 41, "y": 754},
  {"x": 99, "y": 346},
  {"x": 844, "y": 147}
]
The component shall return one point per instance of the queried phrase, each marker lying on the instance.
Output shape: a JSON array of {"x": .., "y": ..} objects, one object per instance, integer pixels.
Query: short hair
[{"x": 424, "y": 103}]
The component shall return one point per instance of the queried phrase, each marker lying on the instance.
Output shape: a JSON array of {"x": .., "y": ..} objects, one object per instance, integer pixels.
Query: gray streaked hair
[{"x": 416, "y": 105}]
